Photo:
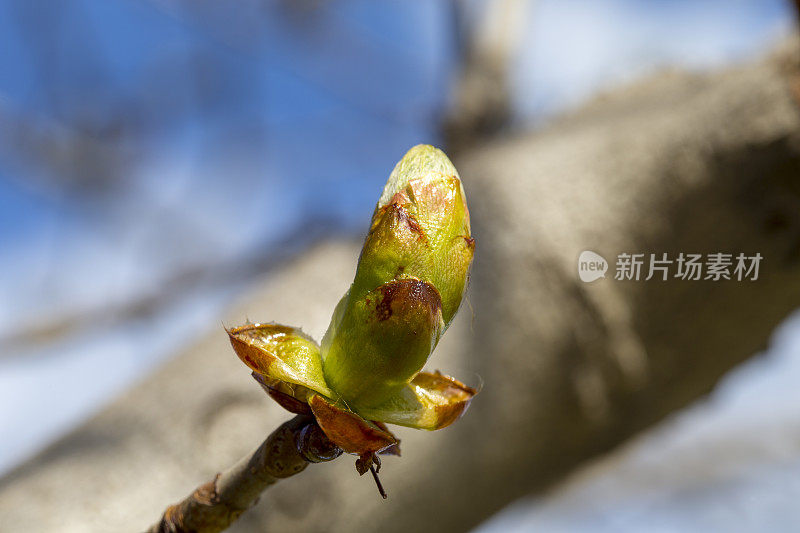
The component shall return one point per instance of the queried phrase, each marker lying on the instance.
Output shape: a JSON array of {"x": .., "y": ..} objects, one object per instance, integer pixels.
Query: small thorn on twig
[{"x": 377, "y": 482}]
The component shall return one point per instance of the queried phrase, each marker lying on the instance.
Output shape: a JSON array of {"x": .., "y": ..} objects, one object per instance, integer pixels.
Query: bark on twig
[{"x": 215, "y": 505}]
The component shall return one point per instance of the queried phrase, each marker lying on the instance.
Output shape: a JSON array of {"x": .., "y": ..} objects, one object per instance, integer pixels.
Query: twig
[
  {"x": 377, "y": 481},
  {"x": 215, "y": 505}
]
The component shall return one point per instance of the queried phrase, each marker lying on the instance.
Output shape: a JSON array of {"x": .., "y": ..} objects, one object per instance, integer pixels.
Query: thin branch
[
  {"x": 215, "y": 505},
  {"x": 182, "y": 284}
]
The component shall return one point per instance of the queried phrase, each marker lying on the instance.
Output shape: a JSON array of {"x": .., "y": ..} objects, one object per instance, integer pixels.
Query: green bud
[{"x": 409, "y": 282}]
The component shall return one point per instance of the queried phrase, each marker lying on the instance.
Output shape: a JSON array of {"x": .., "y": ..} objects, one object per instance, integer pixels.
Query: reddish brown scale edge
[
  {"x": 349, "y": 431},
  {"x": 403, "y": 293}
]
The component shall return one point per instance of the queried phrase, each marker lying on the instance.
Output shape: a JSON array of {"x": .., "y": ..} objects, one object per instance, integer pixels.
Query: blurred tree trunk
[
  {"x": 677, "y": 163},
  {"x": 487, "y": 42}
]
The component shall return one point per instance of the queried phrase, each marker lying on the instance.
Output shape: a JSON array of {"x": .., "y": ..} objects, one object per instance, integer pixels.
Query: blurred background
[{"x": 158, "y": 157}]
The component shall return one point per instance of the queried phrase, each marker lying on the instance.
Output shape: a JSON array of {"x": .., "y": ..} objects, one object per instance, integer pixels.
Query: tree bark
[
  {"x": 215, "y": 505},
  {"x": 487, "y": 44},
  {"x": 678, "y": 163}
]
